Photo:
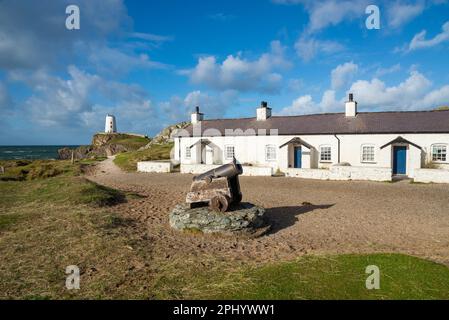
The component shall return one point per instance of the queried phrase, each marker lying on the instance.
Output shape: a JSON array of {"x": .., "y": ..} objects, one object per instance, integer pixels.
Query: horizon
[{"x": 150, "y": 64}]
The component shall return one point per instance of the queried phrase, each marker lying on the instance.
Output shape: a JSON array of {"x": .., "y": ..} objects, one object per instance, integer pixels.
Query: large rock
[
  {"x": 245, "y": 219},
  {"x": 165, "y": 136},
  {"x": 102, "y": 146}
]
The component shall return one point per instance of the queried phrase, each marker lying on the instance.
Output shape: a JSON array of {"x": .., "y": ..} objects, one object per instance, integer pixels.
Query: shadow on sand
[{"x": 284, "y": 217}]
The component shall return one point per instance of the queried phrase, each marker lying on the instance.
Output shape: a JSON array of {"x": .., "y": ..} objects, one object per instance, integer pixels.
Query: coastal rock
[
  {"x": 165, "y": 136},
  {"x": 103, "y": 145},
  {"x": 245, "y": 219}
]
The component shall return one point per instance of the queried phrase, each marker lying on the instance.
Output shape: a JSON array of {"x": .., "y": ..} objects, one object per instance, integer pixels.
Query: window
[
  {"x": 229, "y": 152},
  {"x": 439, "y": 153},
  {"x": 325, "y": 154},
  {"x": 270, "y": 152},
  {"x": 368, "y": 153},
  {"x": 188, "y": 153}
]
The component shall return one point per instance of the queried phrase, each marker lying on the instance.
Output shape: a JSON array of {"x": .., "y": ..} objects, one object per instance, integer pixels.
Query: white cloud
[
  {"x": 113, "y": 61},
  {"x": 305, "y": 104},
  {"x": 414, "y": 93},
  {"x": 150, "y": 37},
  {"x": 419, "y": 41},
  {"x": 323, "y": 14},
  {"x": 384, "y": 71},
  {"x": 32, "y": 35},
  {"x": 399, "y": 13},
  {"x": 178, "y": 109},
  {"x": 342, "y": 74},
  {"x": 308, "y": 47},
  {"x": 81, "y": 101},
  {"x": 238, "y": 73}
]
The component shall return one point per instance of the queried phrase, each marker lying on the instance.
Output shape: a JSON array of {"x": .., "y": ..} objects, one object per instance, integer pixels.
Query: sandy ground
[{"x": 345, "y": 217}]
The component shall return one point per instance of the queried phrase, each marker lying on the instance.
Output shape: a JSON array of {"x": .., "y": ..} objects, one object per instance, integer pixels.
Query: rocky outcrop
[
  {"x": 246, "y": 219},
  {"x": 165, "y": 136},
  {"x": 103, "y": 145}
]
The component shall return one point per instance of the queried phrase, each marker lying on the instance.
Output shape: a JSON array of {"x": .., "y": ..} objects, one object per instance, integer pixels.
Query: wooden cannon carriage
[{"x": 218, "y": 187}]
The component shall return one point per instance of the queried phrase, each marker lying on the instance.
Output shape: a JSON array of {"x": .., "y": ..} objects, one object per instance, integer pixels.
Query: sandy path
[{"x": 346, "y": 217}]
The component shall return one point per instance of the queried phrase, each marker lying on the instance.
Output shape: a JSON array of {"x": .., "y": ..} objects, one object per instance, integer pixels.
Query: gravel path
[{"x": 344, "y": 217}]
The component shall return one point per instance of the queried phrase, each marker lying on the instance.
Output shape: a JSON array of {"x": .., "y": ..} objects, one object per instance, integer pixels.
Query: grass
[
  {"x": 19, "y": 170},
  {"x": 128, "y": 160},
  {"x": 343, "y": 277},
  {"x": 47, "y": 224},
  {"x": 315, "y": 277},
  {"x": 130, "y": 142}
]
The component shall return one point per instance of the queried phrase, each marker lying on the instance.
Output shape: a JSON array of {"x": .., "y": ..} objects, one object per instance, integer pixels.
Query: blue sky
[{"x": 151, "y": 62}]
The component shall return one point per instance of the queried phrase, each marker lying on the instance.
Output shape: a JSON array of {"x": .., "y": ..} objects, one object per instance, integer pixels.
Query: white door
[{"x": 209, "y": 155}]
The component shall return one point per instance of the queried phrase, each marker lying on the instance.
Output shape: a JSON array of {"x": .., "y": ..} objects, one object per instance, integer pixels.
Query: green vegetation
[
  {"x": 442, "y": 108},
  {"x": 128, "y": 160},
  {"x": 47, "y": 224},
  {"x": 313, "y": 277},
  {"x": 19, "y": 170},
  {"x": 130, "y": 142}
]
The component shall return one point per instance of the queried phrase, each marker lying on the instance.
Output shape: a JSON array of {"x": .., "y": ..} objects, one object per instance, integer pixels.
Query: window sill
[
  {"x": 325, "y": 161},
  {"x": 369, "y": 162}
]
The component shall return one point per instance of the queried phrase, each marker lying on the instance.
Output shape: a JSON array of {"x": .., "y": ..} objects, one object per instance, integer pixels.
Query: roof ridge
[{"x": 330, "y": 113}]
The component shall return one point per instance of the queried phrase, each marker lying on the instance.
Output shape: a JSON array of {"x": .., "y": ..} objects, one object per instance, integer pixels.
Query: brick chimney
[
  {"x": 196, "y": 116},
  {"x": 351, "y": 106},
  {"x": 263, "y": 112}
]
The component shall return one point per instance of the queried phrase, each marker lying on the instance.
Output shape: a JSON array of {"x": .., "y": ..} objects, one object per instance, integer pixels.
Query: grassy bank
[
  {"x": 130, "y": 142},
  {"x": 128, "y": 160},
  {"x": 19, "y": 170}
]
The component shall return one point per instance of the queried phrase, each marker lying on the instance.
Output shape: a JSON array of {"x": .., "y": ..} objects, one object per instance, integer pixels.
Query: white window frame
[
  {"x": 188, "y": 153},
  {"x": 226, "y": 154},
  {"x": 325, "y": 153},
  {"x": 362, "y": 160},
  {"x": 270, "y": 156},
  {"x": 442, "y": 146}
]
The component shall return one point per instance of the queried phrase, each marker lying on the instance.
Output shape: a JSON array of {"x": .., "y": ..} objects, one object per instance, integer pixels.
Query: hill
[{"x": 106, "y": 144}]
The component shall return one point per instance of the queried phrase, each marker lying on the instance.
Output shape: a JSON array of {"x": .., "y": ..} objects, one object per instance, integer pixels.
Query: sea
[{"x": 30, "y": 152}]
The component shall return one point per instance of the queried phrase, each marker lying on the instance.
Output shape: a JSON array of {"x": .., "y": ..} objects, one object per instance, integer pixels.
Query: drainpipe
[{"x": 338, "y": 147}]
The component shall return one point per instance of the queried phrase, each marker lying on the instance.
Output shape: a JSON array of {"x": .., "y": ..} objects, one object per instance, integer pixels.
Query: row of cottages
[{"x": 369, "y": 144}]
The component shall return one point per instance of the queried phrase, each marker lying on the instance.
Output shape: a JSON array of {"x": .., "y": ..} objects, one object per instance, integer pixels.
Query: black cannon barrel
[{"x": 227, "y": 170}]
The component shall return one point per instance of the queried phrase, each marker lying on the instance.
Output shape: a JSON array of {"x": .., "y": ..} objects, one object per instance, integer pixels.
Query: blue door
[
  {"x": 298, "y": 156},
  {"x": 399, "y": 160}
]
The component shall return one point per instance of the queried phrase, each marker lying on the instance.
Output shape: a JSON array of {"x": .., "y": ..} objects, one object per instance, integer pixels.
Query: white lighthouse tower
[{"x": 110, "y": 125}]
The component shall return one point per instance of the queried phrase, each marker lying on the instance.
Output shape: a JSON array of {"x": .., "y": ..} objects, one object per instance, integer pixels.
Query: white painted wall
[
  {"x": 431, "y": 176},
  {"x": 247, "y": 170},
  {"x": 155, "y": 166},
  {"x": 342, "y": 173},
  {"x": 251, "y": 149}
]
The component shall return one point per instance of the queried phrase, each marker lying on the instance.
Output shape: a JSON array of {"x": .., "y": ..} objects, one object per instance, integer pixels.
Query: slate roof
[{"x": 336, "y": 123}]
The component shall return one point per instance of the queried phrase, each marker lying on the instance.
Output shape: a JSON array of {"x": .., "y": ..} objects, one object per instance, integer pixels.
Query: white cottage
[{"x": 346, "y": 146}]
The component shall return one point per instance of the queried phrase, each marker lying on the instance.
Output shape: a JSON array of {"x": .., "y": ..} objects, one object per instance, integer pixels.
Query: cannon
[{"x": 218, "y": 187}]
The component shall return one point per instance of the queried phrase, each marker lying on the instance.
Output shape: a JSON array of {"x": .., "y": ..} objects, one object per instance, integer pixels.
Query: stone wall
[
  {"x": 247, "y": 170},
  {"x": 155, "y": 166},
  {"x": 342, "y": 173},
  {"x": 431, "y": 175}
]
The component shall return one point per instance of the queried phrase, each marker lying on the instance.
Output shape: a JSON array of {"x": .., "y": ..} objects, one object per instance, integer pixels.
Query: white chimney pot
[
  {"x": 197, "y": 116},
  {"x": 263, "y": 112},
  {"x": 351, "y": 107}
]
